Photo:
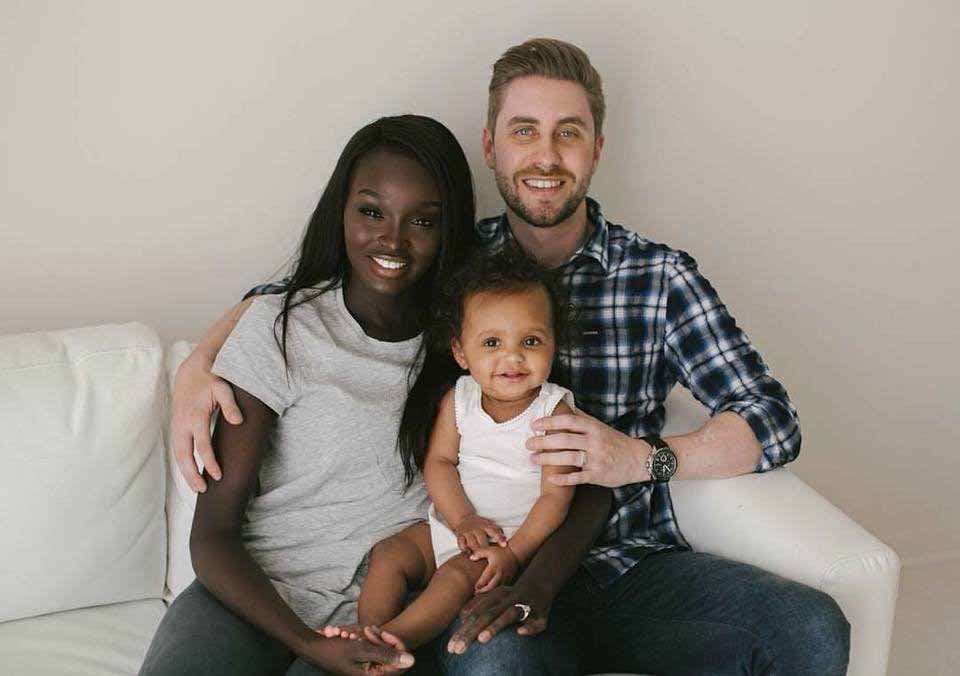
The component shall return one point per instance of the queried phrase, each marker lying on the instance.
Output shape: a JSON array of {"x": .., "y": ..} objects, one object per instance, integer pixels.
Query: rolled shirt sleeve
[{"x": 714, "y": 359}]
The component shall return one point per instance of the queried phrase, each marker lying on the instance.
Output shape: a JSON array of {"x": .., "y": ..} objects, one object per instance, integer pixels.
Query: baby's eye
[
  {"x": 491, "y": 342},
  {"x": 370, "y": 212},
  {"x": 531, "y": 341}
]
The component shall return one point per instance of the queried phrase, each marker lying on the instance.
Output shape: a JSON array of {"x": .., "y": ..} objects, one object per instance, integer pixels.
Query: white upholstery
[
  {"x": 100, "y": 641},
  {"x": 46, "y": 399},
  {"x": 81, "y": 518},
  {"x": 777, "y": 522}
]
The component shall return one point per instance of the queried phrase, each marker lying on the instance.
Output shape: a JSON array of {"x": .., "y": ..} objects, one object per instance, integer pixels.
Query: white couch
[{"x": 94, "y": 517}]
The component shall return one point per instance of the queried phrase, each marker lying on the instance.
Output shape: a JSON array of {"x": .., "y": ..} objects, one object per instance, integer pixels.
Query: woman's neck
[{"x": 387, "y": 318}]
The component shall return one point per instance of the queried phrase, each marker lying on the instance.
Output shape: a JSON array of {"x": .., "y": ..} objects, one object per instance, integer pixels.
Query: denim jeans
[
  {"x": 675, "y": 613},
  {"x": 200, "y": 636}
]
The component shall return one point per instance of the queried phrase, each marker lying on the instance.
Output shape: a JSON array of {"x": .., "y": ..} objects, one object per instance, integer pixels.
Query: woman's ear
[{"x": 458, "y": 354}]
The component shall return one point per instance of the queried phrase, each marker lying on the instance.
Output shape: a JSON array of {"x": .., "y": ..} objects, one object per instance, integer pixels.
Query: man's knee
[
  {"x": 509, "y": 653},
  {"x": 817, "y": 636}
]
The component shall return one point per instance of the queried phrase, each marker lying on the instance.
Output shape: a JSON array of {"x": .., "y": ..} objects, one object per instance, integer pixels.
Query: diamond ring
[{"x": 525, "y": 609}]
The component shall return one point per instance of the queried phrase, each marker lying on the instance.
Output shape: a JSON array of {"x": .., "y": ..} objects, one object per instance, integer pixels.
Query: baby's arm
[
  {"x": 443, "y": 483},
  {"x": 548, "y": 512}
]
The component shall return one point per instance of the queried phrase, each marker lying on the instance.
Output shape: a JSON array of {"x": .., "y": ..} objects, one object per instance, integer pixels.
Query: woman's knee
[{"x": 198, "y": 635}]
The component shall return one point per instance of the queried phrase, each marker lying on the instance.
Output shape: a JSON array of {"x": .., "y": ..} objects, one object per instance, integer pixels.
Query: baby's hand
[
  {"x": 502, "y": 566},
  {"x": 476, "y": 531}
]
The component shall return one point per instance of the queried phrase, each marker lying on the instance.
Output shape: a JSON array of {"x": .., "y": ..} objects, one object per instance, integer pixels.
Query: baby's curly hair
[
  {"x": 504, "y": 271},
  {"x": 507, "y": 270}
]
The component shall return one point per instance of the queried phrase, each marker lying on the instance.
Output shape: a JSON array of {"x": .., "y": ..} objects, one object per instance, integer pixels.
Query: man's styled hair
[{"x": 550, "y": 58}]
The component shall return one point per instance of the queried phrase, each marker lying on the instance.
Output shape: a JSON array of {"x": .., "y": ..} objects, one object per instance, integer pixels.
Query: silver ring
[
  {"x": 525, "y": 609},
  {"x": 583, "y": 459}
]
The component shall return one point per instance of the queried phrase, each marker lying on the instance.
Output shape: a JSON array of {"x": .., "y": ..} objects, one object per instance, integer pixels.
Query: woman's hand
[
  {"x": 487, "y": 614},
  {"x": 197, "y": 394},
  {"x": 360, "y": 656},
  {"x": 475, "y": 531},
  {"x": 502, "y": 567}
]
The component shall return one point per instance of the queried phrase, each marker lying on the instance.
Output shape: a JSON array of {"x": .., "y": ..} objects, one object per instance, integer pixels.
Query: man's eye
[
  {"x": 372, "y": 213},
  {"x": 569, "y": 133},
  {"x": 524, "y": 131},
  {"x": 491, "y": 342},
  {"x": 531, "y": 341}
]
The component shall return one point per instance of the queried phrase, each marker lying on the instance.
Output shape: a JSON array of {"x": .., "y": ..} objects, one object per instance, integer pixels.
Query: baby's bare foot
[{"x": 348, "y": 631}]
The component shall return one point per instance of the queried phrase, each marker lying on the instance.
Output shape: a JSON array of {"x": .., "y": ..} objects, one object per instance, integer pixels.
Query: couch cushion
[
  {"x": 102, "y": 641},
  {"x": 81, "y": 469}
]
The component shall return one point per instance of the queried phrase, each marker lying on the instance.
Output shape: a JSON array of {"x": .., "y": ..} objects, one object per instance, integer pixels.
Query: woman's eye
[
  {"x": 491, "y": 342},
  {"x": 531, "y": 341},
  {"x": 423, "y": 222},
  {"x": 372, "y": 213}
]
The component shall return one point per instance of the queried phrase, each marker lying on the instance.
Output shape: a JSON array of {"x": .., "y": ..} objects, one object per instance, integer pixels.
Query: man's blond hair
[{"x": 550, "y": 58}]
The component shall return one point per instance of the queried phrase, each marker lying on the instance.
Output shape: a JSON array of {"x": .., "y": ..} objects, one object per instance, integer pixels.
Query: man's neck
[{"x": 551, "y": 246}]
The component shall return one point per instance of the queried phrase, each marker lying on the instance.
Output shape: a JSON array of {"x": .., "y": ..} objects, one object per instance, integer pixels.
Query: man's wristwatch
[{"x": 662, "y": 461}]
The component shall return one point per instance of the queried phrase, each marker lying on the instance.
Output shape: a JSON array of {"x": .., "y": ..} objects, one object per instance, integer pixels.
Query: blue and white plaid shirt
[{"x": 648, "y": 319}]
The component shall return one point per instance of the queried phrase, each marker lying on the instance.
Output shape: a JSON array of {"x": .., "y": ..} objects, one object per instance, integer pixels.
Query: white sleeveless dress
[{"x": 494, "y": 463}]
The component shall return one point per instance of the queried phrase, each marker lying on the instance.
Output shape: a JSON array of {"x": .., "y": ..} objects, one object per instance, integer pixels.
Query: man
[{"x": 641, "y": 601}]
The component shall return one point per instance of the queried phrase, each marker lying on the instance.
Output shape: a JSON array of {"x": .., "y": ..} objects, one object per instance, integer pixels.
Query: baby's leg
[
  {"x": 450, "y": 588},
  {"x": 397, "y": 564}
]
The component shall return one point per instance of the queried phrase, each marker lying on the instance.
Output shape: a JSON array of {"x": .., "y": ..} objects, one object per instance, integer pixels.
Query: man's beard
[{"x": 541, "y": 220}]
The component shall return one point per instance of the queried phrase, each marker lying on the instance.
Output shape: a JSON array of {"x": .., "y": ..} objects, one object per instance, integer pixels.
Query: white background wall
[{"x": 157, "y": 159}]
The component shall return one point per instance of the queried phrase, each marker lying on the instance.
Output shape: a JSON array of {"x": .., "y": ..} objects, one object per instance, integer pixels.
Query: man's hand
[
  {"x": 612, "y": 458},
  {"x": 487, "y": 614},
  {"x": 474, "y": 532},
  {"x": 502, "y": 566},
  {"x": 197, "y": 394}
]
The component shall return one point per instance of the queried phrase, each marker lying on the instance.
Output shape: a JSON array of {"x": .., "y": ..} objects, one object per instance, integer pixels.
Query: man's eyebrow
[
  {"x": 572, "y": 119},
  {"x": 519, "y": 119}
]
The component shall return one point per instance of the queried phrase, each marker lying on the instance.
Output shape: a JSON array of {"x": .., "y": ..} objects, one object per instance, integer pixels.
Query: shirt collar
[{"x": 496, "y": 232}]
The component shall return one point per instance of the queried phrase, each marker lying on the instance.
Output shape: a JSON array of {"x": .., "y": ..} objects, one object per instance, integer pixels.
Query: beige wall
[{"x": 156, "y": 159}]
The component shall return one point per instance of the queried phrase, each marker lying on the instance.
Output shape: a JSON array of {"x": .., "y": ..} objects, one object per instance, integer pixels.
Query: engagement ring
[{"x": 525, "y": 609}]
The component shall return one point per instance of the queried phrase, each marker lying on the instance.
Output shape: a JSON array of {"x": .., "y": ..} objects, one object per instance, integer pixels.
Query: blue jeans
[
  {"x": 674, "y": 613},
  {"x": 199, "y": 636}
]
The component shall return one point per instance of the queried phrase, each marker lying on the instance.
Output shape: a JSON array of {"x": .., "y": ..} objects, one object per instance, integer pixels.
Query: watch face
[{"x": 664, "y": 464}]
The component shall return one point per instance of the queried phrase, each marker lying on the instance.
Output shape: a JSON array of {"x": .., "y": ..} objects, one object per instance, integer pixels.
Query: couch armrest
[{"x": 779, "y": 523}]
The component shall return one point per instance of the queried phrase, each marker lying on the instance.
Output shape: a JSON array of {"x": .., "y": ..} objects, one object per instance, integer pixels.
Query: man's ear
[
  {"x": 597, "y": 150},
  {"x": 486, "y": 140},
  {"x": 457, "y": 350}
]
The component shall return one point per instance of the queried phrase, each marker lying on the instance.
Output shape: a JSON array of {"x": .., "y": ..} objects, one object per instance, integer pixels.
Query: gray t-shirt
[{"x": 331, "y": 482}]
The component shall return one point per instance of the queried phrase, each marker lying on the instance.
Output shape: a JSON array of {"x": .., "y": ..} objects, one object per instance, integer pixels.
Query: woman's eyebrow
[{"x": 433, "y": 204}]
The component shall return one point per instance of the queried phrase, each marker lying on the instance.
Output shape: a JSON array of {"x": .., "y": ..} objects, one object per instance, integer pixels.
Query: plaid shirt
[{"x": 648, "y": 319}]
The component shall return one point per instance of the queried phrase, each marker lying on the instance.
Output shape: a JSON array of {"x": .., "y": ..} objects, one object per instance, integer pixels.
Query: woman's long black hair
[
  {"x": 321, "y": 262},
  {"x": 507, "y": 270}
]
